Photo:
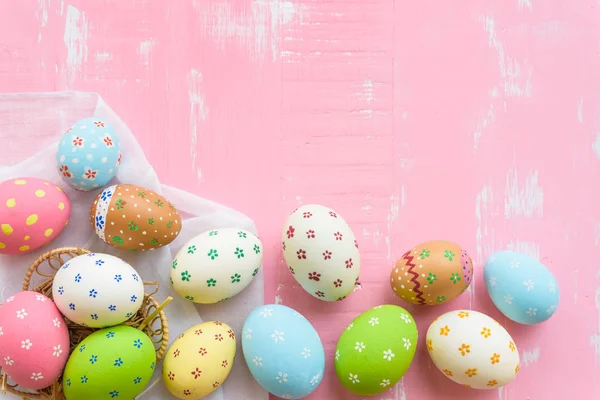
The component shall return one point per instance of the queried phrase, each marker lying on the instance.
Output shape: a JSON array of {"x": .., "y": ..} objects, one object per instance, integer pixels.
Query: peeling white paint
[
  {"x": 526, "y": 199},
  {"x": 530, "y": 356},
  {"x": 42, "y": 16},
  {"x": 525, "y": 4},
  {"x": 488, "y": 119},
  {"x": 367, "y": 91},
  {"x": 145, "y": 49},
  {"x": 595, "y": 338},
  {"x": 75, "y": 38},
  {"x": 400, "y": 391},
  {"x": 258, "y": 30},
  {"x": 530, "y": 248},
  {"x": 198, "y": 110},
  {"x": 104, "y": 56},
  {"x": 580, "y": 110}
]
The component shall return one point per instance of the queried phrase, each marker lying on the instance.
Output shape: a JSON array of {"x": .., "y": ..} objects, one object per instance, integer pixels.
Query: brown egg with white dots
[{"x": 131, "y": 217}]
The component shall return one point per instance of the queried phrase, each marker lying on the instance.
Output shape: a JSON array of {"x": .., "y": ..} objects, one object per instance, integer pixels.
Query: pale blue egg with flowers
[
  {"x": 283, "y": 351},
  {"x": 89, "y": 154},
  {"x": 521, "y": 287}
]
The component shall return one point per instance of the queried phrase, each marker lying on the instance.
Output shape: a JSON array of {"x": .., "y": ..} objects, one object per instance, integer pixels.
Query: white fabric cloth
[{"x": 30, "y": 127}]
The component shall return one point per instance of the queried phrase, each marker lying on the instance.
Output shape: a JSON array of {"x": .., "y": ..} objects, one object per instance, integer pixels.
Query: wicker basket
[{"x": 150, "y": 318}]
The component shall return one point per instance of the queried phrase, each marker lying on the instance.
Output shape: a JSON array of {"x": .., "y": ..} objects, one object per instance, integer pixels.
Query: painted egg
[
  {"x": 33, "y": 212},
  {"x": 283, "y": 351},
  {"x": 432, "y": 273},
  {"x": 473, "y": 349},
  {"x": 97, "y": 290},
  {"x": 321, "y": 252},
  {"x": 376, "y": 350},
  {"x": 34, "y": 340},
  {"x": 200, "y": 360},
  {"x": 216, "y": 265},
  {"x": 115, "y": 362},
  {"x": 521, "y": 287},
  {"x": 133, "y": 218},
  {"x": 89, "y": 154}
]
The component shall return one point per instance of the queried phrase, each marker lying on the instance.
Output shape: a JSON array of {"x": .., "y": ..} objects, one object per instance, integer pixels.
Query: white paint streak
[
  {"x": 488, "y": 119},
  {"x": 530, "y": 357},
  {"x": 259, "y": 30},
  {"x": 198, "y": 110},
  {"x": 42, "y": 16},
  {"x": 144, "y": 51},
  {"x": 400, "y": 391},
  {"x": 527, "y": 200},
  {"x": 484, "y": 239},
  {"x": 596, "y": 145},
  {"x": 75, "y": 38},
  {"x": 529, "y": 248},
  {"x": 580, "y": 110},
  {"x": 525, "y": 4},
  {"x": 103, "y": 56},
  {"x": 595, "y": 338}
]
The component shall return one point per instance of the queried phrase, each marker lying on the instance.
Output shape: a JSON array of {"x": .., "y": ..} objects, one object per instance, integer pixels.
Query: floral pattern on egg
[
  {"x": 431, "y": 273},
  {"x": 89, "y": 154},
  {"x": 33, "y": 212}
]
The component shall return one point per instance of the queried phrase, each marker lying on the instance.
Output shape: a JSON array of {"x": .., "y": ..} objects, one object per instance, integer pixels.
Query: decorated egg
[
  {"x": 473, "y": 349},
  {"x": 216, "y": 265},
  {"x": 131, "y": 217},
  {"x": 376, "y": 350},
  {"x": 33, "y": 212},
  {"x": 321, "y": 252},
  {"x": 34, "y": 340},
  {"x": 432, "y": 273},
  {"x": 521, "y": 287},
  {"x": 97, "y": 290},
  {"x": 200, "y": 360},
  {"x": 283, "y": 351},
  {"x": 115, "y": 362},
  {"x": 89, "y": 154}
]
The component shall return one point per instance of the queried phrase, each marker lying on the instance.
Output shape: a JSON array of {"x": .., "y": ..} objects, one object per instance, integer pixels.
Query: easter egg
[
  {"x": 321, "y": 252},
  {"x": 89, "y": 154},
  {"x": 112, "y": 362},
  {"x": 432, "y": 273},
  {"x": 473, "y": 349},
  {"x": 33, "y": 212},
  {"x": 216, "y": 265},
  {"x": 97, "y": 290},
  {"x": 199, "y": 361},
  {"x": 131, "y": 217},
  {"x": 34, "y": 340},
  {"x": 376, "y": 350},
  {"x": 521, "y": 287},
  {"x": 283, "y": 351}
]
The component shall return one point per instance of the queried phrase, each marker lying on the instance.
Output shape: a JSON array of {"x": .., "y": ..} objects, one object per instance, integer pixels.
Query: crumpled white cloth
[{"x": 31, "y": 125}]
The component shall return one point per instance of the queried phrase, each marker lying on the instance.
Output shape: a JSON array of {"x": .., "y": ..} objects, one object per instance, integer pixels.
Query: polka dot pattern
[{"x": 32, "y": 214}]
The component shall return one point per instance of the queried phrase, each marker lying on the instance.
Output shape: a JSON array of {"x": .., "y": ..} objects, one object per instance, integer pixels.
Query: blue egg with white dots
[
  {"x": 89, "y": 154},
  {"x": 521, "y": 287},
  {"x": 283, "y": 351}
]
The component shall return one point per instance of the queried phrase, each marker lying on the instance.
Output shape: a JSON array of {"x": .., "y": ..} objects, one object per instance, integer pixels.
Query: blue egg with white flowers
[
  {"x": 283, "y": 351},
  {"x": 89, "y": 154},
  {"x": 521, "y": 287}
]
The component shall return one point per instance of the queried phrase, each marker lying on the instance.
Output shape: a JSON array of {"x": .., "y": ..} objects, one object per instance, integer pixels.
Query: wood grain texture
[{"x": 475, "y": 122}]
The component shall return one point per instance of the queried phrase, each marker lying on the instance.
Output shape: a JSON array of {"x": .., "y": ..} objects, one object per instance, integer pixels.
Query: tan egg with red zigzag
[{"x": 432, "y": 273}]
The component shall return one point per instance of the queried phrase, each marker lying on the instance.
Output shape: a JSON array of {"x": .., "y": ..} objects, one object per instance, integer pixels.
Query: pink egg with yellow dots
[{"x": 33, "y": 212}]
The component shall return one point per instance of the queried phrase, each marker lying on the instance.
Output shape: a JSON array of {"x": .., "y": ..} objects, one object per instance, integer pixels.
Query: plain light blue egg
[
  {"x": 89, "y": 154},
  {"x": 283, "y": 351},
  {"x": 521, "y": 287}
]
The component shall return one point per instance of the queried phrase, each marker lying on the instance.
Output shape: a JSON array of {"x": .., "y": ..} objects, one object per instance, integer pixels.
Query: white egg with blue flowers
[
  {"x": 283, "y": 351},
  {"x": 89, "y": 154},
  {"x": 521, "y": 287}
]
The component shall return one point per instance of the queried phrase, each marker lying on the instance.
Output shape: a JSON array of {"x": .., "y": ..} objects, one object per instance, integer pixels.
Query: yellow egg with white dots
[{"x": 31, "y": 214}]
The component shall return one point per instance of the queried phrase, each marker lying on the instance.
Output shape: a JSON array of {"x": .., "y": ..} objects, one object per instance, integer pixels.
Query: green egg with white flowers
[
  {"x": 376, "y": 350},
  {"x": 116, "y": 362}
]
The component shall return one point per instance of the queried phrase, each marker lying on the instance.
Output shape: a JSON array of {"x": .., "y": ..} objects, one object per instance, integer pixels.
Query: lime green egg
[
  {"x": 376, "y": 350},
  {"x": 115, "y": 362}
]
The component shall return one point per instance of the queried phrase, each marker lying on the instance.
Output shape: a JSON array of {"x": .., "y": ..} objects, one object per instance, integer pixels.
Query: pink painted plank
[{"x": 474, "y": 122}]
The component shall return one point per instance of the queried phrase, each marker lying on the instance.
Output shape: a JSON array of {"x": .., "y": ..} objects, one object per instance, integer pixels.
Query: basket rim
[{"x": 74, "y": 252}]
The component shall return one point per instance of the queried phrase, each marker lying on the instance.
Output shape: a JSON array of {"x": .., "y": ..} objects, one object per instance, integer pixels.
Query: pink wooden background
[{"x": 473, "y": 121}]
